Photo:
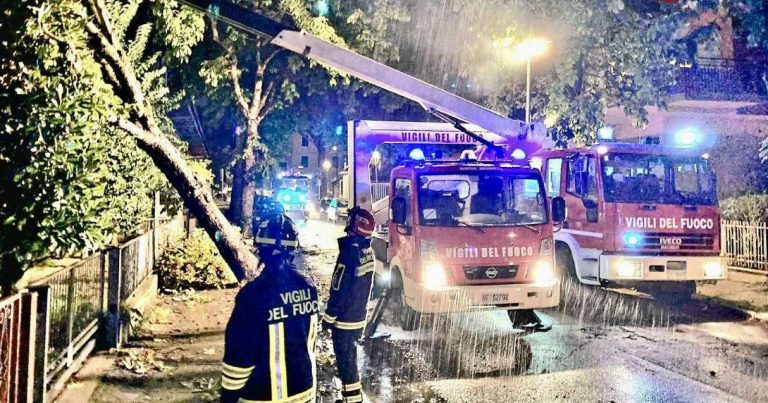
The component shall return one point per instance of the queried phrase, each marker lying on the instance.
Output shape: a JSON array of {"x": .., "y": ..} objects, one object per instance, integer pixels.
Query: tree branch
[{"x": 234, "y": 73}]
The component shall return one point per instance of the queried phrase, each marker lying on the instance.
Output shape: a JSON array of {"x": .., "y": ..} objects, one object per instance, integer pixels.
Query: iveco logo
[
  {"x": 671, "y": 241},
  {"x": 491, "y": 273}
]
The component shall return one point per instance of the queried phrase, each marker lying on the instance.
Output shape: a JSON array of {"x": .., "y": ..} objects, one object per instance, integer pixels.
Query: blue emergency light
[{"x": 632, "y": 239}]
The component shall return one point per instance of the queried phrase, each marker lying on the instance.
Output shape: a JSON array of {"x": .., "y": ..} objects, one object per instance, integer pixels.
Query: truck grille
[
  {"x": 489, "y": 272},
  {"x": 663, "y": 241}
]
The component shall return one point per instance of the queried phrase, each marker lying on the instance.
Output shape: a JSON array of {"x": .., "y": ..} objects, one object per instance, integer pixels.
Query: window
[
  {"x": 304, "y": 141},
  {"x": 554, "y": 169},
  {"x": 403, "y": 189},
  {"x": 305, "y": 161},
  {"x": 283, "y": 165},
  {"x": 482, "y": 199},
  {"x": 582, "y": 178}
]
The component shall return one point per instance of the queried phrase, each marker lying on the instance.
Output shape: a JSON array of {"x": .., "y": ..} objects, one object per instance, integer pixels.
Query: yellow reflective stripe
[
  {"x": 283, "y": 366},
  {"x": 302, "y": 397},
  {"x": 353, "y": 399},
  {"x": 329, "y": 318},
  {"x": 289, "y": 243},
  {"x": 311, "y": 337},
  {"x": 349, "y": 325},
  {"x": 268, "y": 241},
  {"x": 231, "y": 384},
  {"x": 365, "y": 269},
  {"x": 352, "y": 387},
  {"x": 272, "y": 359},
  {"x": 235, "y": 371}
]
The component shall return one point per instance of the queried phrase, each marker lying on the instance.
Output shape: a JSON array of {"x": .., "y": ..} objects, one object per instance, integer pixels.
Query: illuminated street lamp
[
  {"x": 326, "y": 165},
  {"x": 525, "y": 51},
  {"x": 326, "y": 168}
]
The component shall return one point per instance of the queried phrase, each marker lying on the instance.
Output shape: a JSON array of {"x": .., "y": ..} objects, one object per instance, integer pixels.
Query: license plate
[
  {"x": 676, "y": 270},
  {"x": 495, "y": 298}
]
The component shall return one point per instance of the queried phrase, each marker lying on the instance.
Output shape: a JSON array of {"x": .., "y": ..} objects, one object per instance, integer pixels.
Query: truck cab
[
  {"x": 638, "y": 215},
  {"x": 293, "y": 192},
  {"x": 470, "y": 235}
]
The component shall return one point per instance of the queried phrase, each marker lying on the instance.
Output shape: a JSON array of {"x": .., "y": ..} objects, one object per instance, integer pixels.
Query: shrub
[
  {"x": 195, "y": 263},
  {"x": 746, "y": 208}
]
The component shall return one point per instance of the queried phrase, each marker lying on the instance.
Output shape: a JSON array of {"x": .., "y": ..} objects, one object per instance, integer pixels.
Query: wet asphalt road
[{"x": 605, "y": 345}]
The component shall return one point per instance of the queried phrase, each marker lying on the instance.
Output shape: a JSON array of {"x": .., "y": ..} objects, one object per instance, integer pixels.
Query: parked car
[{"x": 337, "y": 210}]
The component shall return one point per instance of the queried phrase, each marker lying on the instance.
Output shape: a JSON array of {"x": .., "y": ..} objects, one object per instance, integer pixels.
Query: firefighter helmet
[
  {"x": 276, "y": 234},
  {"x": 361, "y": 222}
]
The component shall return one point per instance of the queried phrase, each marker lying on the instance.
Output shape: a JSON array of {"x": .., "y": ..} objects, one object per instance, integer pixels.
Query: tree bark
[
  {"x": 151, "y": 139},
  {"x": 198, "y": 198},
  {"x": 243, "y": 193}
]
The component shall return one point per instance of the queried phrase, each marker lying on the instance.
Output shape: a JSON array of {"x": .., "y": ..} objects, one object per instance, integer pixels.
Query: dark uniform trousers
[
  {"x": 270, "y": 340},
  {"x": 346, "y": 311}
]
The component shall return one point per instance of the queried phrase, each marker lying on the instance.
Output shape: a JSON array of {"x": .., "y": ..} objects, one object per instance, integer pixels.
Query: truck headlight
[
  {"x": 302, "y": 198},
  {"x": 629, "y": 269},
  {"x": 434, "y": 275},
  {"x": 543, "y": 274},
  {"x": 713, "y": 269},
  {"x": 287, "y": 198}
]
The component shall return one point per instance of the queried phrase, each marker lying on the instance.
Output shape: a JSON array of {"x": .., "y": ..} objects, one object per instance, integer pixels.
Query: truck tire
[
  {"x": 407, "y": 317},
  {"x": 564, "y": 262},
  {"x": 520, "y": 317},
  {"x": 672, "y": 292}
]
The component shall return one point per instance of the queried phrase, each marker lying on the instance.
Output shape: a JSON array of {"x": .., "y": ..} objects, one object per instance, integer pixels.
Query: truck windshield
[
  {"x": 294, "y": 182},
  {"x": 481, "y": 199},
  {"x": 639, "y": 178}
]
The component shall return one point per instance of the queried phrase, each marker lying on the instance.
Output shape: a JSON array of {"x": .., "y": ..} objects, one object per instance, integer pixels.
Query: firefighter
[
  {"x": 350, "y": 290},
  {"x": 270, "y": 339}
]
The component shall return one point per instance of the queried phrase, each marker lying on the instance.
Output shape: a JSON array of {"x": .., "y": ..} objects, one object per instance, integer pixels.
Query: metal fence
[
  {"x": 17, "y": 338},
  {"x": 71, "y": 305},
  {"x": 379, "y": 191},
  {"x": 745, "y": 244},
  {"x": 723, "y": 79}
]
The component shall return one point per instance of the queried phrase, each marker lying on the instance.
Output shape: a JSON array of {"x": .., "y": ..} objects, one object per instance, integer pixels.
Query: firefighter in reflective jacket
[
  {"x": 269, "y": 355},
  {"x": 350, "y": 291}
]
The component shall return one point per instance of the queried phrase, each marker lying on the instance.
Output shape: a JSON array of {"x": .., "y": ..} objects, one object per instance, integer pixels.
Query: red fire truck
[
  {"x": 459, "y": 234},
  {"x": 637, "y": 215}
]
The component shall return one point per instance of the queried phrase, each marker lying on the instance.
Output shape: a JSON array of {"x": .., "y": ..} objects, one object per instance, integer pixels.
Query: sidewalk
[
  {"x": 178, "y": 356},
  {"x": 745, "y": 291}
]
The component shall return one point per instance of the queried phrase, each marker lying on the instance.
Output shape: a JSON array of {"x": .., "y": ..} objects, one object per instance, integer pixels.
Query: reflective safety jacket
[
  {"x": 351, "y": 284},
  {"x": 269, "y": 355}
]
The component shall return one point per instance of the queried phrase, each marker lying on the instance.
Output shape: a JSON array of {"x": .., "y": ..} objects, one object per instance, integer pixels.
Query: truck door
[
  {"x": 585, "y": 221},
  {"x": 401, "y": 236}
]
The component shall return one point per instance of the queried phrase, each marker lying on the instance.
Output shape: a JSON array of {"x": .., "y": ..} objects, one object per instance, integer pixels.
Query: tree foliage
[{"x": 69, "y": 176}]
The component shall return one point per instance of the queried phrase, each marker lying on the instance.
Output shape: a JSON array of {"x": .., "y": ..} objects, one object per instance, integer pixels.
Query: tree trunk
[
  {"x": 243, "y": 193},
  {"x": 198, "y": 198}
]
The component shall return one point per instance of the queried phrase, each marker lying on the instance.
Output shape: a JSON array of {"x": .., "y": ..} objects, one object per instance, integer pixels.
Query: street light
[
  {"x": 525, "y": 51},
  {"x": 326, "y": 168}
]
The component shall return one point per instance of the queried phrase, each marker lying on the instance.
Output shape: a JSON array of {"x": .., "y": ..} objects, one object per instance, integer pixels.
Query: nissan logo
[{"x": 491, "y": 272}]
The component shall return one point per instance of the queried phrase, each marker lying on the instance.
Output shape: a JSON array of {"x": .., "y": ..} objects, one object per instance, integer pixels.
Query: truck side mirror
[
  {"x": 558, "y": 209},
  {"x": 399, "y": 211}
]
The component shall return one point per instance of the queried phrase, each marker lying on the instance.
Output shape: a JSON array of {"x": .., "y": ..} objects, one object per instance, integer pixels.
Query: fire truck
[
  {"x": 642, "y": 216},
  {"x": 459, "y": 234},
  {"x": 475, "y": 233}
]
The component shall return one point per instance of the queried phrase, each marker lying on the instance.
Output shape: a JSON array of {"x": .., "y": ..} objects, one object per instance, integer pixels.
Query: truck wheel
[
  {"x": 674, "y": 292},
  {"x": 409, "y": 319},
  {"x": 522, "y": 317},
  {"x": 564, "y": 262}
]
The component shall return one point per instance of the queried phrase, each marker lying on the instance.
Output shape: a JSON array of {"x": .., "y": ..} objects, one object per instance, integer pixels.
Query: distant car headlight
[
  {"x": 302, "y": 198},
  {"x": 434, "y": 275},
  {"x": 713, "y": 269},
  {"x": 287, "y": 198}
]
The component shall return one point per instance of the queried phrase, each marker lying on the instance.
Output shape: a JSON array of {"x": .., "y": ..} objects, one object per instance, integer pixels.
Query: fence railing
[
  {"x": 379, "y": 191},
  {"x": 72, "y": 304},
  {"x": 17, "y": 339},
  {"x": 723, "y": 79},
  {"x": 745, "y": 244}
]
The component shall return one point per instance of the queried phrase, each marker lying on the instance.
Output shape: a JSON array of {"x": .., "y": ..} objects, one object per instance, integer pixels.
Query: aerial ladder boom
[
  {"x": 443, "y": 104},
  {"x": 460, "y": 113}
]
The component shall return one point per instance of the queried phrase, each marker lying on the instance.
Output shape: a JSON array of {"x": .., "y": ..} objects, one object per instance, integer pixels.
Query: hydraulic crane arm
[{"x": 443, "y": 104}]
